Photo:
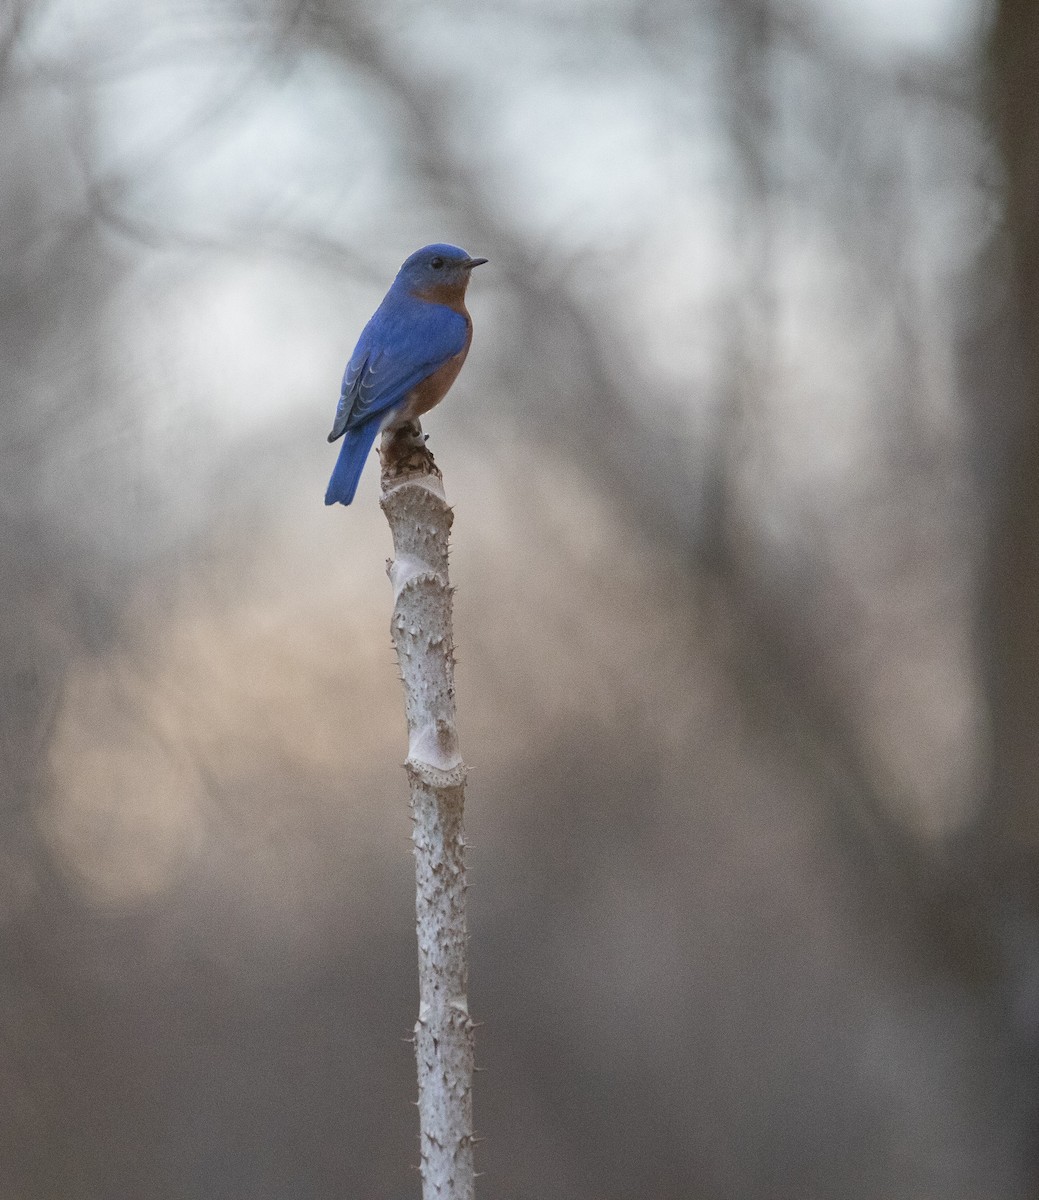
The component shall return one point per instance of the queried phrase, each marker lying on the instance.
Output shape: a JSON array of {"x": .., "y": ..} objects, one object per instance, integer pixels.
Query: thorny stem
[{"x": 420, "y": 522}]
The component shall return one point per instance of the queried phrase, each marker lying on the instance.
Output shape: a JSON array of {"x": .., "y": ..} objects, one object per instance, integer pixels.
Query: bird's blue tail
[{"x": 352, "y": 455}]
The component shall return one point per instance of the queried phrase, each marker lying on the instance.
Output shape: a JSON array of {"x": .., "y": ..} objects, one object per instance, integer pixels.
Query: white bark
[{"x": 420, "y": 521}]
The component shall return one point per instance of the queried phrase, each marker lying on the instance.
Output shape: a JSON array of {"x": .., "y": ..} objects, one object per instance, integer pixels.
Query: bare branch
[{"x": 420, "y": 521}]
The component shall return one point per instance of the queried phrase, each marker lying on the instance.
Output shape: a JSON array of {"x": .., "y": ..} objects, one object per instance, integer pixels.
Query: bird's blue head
[{"x": 439, "y": 272}]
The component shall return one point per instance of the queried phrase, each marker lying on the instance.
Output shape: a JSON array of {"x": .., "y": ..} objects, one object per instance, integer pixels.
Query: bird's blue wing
[
  {"x": 355, "y": 368},
  {"x": 401, "y": 345}
]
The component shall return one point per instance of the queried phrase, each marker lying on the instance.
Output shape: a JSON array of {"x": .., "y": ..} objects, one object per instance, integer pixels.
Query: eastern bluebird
[{"x": 405, "y": 360}]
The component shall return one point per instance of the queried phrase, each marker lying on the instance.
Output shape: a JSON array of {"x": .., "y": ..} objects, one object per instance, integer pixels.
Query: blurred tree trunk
[
  {"x": 1010, "y": 424},
  {"x": 1013, "y": 619}
]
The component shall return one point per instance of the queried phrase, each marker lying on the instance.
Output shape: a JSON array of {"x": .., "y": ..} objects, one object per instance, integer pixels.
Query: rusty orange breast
[
  {"x": 427, "y": 394},
  {"x": 450, "y": 295}
]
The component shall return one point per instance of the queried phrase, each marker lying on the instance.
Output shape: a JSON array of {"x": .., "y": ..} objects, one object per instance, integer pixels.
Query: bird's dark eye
[{"x": 436, "y": 263}]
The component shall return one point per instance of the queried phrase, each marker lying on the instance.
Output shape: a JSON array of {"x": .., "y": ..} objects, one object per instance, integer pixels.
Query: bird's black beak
[{"x": 474, "y": 262}]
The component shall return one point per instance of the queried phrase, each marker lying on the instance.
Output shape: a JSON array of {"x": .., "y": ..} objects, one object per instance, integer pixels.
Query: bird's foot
[{"x": 404, "y": 454}]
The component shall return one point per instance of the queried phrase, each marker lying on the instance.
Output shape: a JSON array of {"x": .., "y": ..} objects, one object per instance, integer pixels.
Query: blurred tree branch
[
  {"x": 12, "y": 29},
  {"x": 1014, "y": 586}
]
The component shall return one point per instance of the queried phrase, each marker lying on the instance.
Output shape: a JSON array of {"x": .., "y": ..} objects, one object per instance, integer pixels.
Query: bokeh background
[{"x": 745, "y": 463}]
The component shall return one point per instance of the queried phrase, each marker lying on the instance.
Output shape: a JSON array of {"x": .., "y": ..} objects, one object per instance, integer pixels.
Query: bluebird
[{"x": 405, "y": 360}]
